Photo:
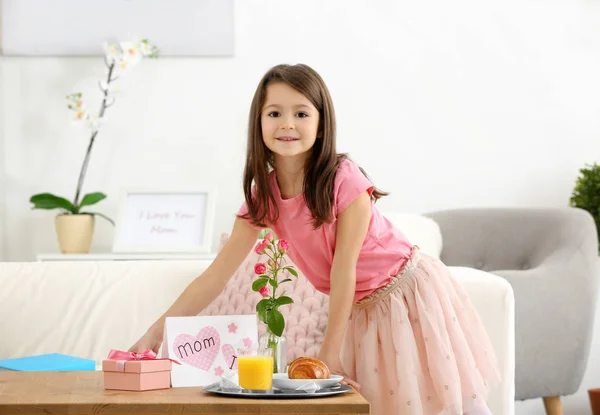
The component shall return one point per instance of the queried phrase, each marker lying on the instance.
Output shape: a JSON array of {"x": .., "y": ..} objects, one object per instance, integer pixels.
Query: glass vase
[{"x": 279, "y": 346}]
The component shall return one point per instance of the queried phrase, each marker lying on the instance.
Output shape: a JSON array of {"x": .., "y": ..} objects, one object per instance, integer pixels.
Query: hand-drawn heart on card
[
  {"x": 230, "y": 356},
  {"x": 200, "y": 351}
]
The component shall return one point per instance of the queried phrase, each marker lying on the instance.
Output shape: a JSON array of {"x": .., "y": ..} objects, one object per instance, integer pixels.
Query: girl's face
[{"x": 289, "y": 122}]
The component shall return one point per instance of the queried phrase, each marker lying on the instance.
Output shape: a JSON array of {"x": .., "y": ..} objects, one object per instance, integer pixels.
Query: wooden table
[{"x": 83, "y": 393}]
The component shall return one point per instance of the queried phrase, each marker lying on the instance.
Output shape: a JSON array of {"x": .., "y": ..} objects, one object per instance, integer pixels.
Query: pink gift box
[{"x": 137, "y": 375}]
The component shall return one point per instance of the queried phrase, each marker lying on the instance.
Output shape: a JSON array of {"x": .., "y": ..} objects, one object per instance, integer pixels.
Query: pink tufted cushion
[{"x": 305, "y": 319}]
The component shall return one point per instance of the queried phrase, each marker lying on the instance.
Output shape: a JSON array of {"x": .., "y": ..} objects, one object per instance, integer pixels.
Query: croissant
[{"x": 308, "y": 368}]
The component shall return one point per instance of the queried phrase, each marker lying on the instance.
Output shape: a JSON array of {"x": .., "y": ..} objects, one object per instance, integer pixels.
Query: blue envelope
[{"x": 53, "y": 362}]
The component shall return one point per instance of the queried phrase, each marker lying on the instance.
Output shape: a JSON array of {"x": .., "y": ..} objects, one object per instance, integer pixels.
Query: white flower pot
[{"x": 74, "y": 233}]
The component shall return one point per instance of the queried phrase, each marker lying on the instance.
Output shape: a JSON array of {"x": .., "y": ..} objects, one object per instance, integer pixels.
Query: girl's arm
[
  {"x": 205, "y": 288},
  {"x": 352, "y": 227}
]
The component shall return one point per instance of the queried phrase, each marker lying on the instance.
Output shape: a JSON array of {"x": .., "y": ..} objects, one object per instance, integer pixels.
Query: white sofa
[{"x": 86, "y": 308}]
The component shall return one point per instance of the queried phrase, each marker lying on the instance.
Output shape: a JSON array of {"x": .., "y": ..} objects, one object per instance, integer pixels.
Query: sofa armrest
[
  {"x": 550, "y": 258},
  {"x": 515, "y": 238},
  {"x": 493, "y": 298},
  {"x": 556, "y": 305}
]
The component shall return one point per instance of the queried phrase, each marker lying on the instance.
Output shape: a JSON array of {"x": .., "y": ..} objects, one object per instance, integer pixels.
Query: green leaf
[
  {"x": 262, "y": 315},
  {"x": 273, "y": 283},
  {"x": 275, "y": 322},
  {"x": 259, "y": 283},
  {"x": 286, "y": 280},
  {"x": 263, "y": 307},
  {"x": 292, "y": 271},
  {"x": 101, "y": 215},
  {"x": 91, "y": 199},
  {"x": 50, "y": 201},
  {"x": 264, "y": 304},
  {"x": 283, "y": 300}
]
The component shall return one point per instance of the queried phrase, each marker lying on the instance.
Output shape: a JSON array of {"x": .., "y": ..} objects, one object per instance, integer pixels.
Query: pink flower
[
  {"x": 264, "y": 291},
  {"x": 232, "y": 328},
  {"x": 283, "y": 245},
  {"x": 260, "y": 268},
  {"x": 248, "y": 342},
  {"x": 260, "y": 247},
  {"x": 219, "y": 371},
  {"x": 269, "y": 236}
]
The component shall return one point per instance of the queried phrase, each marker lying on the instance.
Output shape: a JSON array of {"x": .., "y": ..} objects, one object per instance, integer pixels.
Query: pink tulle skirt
[{"x": 417, "y": 345}]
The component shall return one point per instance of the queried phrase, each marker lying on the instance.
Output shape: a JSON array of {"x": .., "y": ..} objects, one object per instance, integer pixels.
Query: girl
[{"x": 399, "y": 325}]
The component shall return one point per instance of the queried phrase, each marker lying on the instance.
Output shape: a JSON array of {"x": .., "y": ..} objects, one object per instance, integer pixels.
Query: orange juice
[{"x": 255, "y": 372}]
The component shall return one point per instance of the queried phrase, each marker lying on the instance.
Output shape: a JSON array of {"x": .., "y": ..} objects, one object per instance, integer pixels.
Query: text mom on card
[{"x": 206, "y": 346}]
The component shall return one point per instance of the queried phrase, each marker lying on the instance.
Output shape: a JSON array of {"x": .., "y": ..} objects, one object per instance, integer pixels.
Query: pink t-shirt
[{"x": 384, "y": 251}]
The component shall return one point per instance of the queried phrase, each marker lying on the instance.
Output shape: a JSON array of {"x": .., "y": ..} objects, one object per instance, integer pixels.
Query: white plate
[{"x": 281, "y": 381}]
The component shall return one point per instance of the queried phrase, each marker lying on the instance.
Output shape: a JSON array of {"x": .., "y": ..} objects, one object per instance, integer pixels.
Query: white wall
[{"x": 445, "y": 104}]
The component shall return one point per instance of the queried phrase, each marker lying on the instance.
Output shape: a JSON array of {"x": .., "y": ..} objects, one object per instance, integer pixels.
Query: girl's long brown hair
[{"x": 322, "y": 164}]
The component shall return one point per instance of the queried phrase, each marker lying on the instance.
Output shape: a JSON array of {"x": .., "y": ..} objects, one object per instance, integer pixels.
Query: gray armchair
[{"x": 550, "y": 258}]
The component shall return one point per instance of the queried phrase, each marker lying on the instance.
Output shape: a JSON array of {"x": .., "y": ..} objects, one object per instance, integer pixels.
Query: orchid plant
[
  {"x": 119, "y": 57},
  {"x": 268, "y": 278}
]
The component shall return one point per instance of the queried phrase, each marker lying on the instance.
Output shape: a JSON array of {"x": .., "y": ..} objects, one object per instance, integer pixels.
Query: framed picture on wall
[
  {"x": 79, "y": 28},
  {"x": 165, "y": 221}
]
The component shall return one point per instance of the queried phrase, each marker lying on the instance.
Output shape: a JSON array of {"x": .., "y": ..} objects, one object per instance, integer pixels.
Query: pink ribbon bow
[{"x": 121, "y": 357}]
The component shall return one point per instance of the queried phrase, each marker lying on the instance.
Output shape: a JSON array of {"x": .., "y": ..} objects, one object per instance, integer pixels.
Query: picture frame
[
  {"x": 184, "y": 28},
  {"x": 165, "y": 221}
]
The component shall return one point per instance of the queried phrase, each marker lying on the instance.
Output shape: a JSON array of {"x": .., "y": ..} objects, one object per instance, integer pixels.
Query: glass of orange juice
[{"x": 255, "y": 368}]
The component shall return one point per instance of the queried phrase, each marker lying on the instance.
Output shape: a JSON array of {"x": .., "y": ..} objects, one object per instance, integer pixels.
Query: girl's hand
[
  {"x": 347, "y": 381},
  {"x": 152, "y": 340},
  {"x": 335, "y": 367}
]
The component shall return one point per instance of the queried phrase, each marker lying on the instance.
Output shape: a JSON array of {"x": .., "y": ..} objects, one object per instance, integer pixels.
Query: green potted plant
[
  {"x": 75, "y": 223},
  {"x": 586, "y": 194}
]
